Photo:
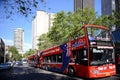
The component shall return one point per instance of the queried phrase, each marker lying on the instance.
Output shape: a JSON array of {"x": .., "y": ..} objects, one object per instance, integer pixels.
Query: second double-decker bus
[
  {"x": 89, "y": 54},
  {"x": 33, "y": 60}
]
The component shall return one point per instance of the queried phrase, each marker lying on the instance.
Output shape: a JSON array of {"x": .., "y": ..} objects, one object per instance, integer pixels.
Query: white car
[{"x": 24, "y": 61}]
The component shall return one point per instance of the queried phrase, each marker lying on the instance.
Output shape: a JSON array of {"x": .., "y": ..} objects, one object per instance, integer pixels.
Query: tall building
[
  {"x": 19, "y": 39},
  {"x": 117, "y": 2},
  {"x": 107, "y": 6},
  {"x": 2, "y": 50},
  {"x": 40, "y": 25},
  {"x": 83, "y": 3}
]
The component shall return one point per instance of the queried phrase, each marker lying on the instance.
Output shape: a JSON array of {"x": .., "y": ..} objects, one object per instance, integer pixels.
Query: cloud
[
  {"x": 27, "y": 46},
  {"x": 8, "y": 42}
]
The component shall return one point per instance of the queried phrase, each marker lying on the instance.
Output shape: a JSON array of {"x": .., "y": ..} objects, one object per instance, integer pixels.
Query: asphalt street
[{"x": 29, "y": 73}]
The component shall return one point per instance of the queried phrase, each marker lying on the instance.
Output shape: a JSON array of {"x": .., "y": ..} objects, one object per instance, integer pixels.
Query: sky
[{"x": 7, "y": 26}]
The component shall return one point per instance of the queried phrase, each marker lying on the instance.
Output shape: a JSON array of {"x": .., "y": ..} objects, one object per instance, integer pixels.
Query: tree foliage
[
  {"x": 15, "y": 54},
  {"x": 67, "y": 23},
  {"x": 116, "y": 18},
  {"x": 29, "y": 52},
  {"x": 44, "y": 42},
  {"x": 23, "y": 7}
]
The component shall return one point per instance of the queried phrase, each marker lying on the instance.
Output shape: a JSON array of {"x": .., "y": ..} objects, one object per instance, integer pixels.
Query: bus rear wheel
[{"x": 71, "y": 71}]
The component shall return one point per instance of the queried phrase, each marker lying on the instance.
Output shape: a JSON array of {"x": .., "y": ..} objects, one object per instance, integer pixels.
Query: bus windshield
[
  {"x": 100, "y": 56},
  {"x": 100, "y": 34},
  {"x": 101, "y": 46}
]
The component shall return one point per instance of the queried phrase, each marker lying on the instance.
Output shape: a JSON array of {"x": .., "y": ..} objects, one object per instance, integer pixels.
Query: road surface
[{"x": 29, "y": 73}]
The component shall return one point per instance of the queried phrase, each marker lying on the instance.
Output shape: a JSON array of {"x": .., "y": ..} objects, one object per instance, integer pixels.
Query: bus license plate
[{"x": 107, "y": 74}]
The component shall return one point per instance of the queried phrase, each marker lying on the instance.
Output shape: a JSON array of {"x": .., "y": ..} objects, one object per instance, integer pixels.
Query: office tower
[
  {"x": 19, "y": 39},
  {"x": 117, "y": 2},
  {"x": 40, "y": 25},
  {"x": 107, "y": 6},
  {"x": 83, "y": 4}
]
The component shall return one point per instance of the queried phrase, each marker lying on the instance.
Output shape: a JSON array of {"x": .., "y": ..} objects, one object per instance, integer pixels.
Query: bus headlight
[{"x": 95, "y": 71}]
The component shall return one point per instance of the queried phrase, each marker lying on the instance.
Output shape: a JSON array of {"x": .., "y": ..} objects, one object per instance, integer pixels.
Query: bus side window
[
  {"x": 45, "y": 59},
  {"x": 82, "y": 56},
  {"x": 59, "y": 58},
  {"x": 54, "y": 58},
  {"x": 74, "y": 56},
  {"x": 50, "y": 59}
]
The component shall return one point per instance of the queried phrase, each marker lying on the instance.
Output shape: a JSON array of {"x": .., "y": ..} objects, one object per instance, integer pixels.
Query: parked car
[
  {"x": 11, "y": 64},
  {"x": 5, "y": 66},
  {"x": 24, "y": 61},
  {"x": 19, "y": 63}
]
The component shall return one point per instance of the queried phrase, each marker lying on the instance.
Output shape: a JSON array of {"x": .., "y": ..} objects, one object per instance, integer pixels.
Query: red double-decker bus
[
  {"x": 32, "y": 60},
  {"x": 89, "y": 53}
]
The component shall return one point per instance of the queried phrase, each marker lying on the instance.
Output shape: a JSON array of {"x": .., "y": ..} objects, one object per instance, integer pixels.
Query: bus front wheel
[{"x": 71, "y": 71}]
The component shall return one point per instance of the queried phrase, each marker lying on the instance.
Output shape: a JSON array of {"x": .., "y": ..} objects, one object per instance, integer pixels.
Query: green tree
[
  {"x": 115, "y": 17},
  {"x": 29, "y": 52},
  {"x": 66, "y": 23},
  {"x": 58, "y": 29},
  {"x": 44, "y": 42},
  {"x": 15, "y": 54},
  {"x": 24, "y": 7}
]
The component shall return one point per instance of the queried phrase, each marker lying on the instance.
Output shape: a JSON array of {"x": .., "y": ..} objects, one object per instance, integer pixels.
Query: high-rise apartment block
[
  {"x": 83, "y": 4},
  {"x": 19, "y": 39},
  {"x": 40, "y": 25}
]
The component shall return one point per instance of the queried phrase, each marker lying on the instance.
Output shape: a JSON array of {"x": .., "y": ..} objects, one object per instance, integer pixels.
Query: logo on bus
[{"x": 79, "y": 42}]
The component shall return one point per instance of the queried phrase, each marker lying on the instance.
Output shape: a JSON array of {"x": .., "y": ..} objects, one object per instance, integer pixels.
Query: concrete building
[
  {"x": 19, "y": 39},
  {"x": 83, "y": 3},
  {"x": 40, "y": 25}
]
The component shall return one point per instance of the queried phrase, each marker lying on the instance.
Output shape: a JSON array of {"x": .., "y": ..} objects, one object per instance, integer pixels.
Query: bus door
[{"x": 81, "y": 60}]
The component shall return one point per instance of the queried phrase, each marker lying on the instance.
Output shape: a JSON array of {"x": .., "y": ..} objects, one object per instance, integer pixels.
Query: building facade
[
  {"x": 40, "y": 25},
  {"x": 83, "y": 4},
  {"x": 117, "y": 2},
  {"x": 19, "y": 39},
  {"x": 107, "y": 6},
  {"x": 2, "y": 50}
]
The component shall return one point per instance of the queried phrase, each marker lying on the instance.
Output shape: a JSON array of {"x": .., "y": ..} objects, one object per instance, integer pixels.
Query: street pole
[{"x": 4, "y": 56}]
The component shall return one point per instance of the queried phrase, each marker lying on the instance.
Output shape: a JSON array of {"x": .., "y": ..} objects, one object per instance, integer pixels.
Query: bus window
[
  {"x": 50, "y": 59},
  {"x": 100, "y": 56},
  {"x": 59, "y": 58},
  {"x": 54, "y": 58},
  {"x": 82, "y": 57},
  {"x": 45, "y": 59},
  {"x": 74, "y": 56},
  {"x": 98, "y": 34}
]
